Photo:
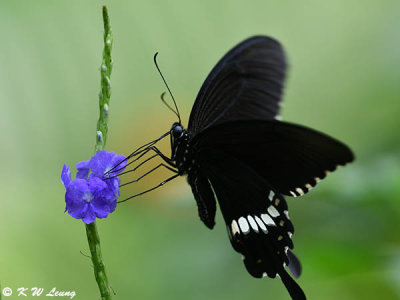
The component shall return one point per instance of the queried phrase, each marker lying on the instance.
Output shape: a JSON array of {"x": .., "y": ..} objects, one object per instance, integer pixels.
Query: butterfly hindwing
[
  {"x": 292, "y": 158},
  {"x": 247, "y": 83},
  {"x": 294, "y": 264},
  {"x": 256, "y": 216},
  {"x": 204, "y": 197}
]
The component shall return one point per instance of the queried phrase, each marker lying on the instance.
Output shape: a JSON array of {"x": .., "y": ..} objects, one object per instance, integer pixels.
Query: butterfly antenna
[
  {"x": 163, "y": 100},
  {"x": 165, "y": 82}
]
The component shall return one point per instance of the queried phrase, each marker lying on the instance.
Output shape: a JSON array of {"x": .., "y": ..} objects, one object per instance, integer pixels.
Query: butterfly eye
[{"x": 177, "y": 131}]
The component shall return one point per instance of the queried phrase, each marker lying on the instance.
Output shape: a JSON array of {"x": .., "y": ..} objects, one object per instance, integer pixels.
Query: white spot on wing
[
  {"x": 268, "y": 220},
  {"x": 293, "y": 194},
  {"x": 286, "y": 214},
  {"x": 253, "y": 223},
  {"x": 235, "y": 227},
  {"x": 271, "y": 195},
  {"x": 317, "y": 179},
  {"x": 244, "y": 226},
  {"x": 300, "y": 191},
  {"x": 261, "y": 224},
  {"x": 308, "y": 186},
  {"x": 273, "y": 211}
]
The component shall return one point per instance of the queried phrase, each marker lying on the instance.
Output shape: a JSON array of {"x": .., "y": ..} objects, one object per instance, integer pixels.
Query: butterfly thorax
[{"x": 181, "y": 154}]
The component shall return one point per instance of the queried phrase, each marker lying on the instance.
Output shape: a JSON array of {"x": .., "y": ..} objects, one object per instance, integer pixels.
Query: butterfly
[{"x": 236, "y": 151}]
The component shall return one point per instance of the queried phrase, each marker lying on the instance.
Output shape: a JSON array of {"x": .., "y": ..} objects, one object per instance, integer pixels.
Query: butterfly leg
[
  {"x": 141, "y": 154},
  {"x": 142, "y": 150},
  {"x": 165, "y": 158},
  {"x": 114, "y": 169},
  {"x": 158, "y": 153},
  {"x": 148, "y": 172},
  {"x": 151, "y": 189}
]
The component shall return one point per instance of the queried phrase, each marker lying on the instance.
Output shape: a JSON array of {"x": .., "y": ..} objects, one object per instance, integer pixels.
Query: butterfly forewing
[
  {"x": 247, "y": 83},
  {"x": 290, "y": 157}
]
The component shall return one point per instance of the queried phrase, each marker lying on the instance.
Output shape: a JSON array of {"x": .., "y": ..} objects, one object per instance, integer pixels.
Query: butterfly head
[{"x": 176, "y": 131}]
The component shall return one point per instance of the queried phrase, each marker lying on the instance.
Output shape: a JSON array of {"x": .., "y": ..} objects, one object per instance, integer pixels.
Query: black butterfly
[{"x": 236, "y": 151}]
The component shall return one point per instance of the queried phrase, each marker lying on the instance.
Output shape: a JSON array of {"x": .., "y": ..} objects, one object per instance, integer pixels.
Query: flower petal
[
  {"x": 65, "y": 176},
  {"x": 120, "y": 162},
  {"x": 96, "y": 185},
  {"x": 101, "y": 207},
  {"x": 111, "y": 199},
  {"x": 112, "y": 202},
  {"x": 113, "y": 185},
  {"x": 89, "y": 215},
  {"x": 83, "y": 169},
  {"x": 101, "y": 162},
  {"x": 102, "y": 196},
  {"x": 75, "y": 197}
]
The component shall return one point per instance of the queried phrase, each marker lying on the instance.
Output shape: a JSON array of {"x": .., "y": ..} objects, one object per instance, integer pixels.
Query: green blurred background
[{"x": 343, "y": 80}]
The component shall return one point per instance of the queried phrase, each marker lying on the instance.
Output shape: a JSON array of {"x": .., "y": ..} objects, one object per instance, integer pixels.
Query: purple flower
[
  {"x": 86, "y": 199},
  {"x": 93, "y": 196}
]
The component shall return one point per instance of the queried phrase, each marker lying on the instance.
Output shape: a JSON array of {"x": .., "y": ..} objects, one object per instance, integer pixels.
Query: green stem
[
  {"x": 98, "y": 263},
  {"x": 105, "y": 93},
  {"x": 102, "y": 128}
]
